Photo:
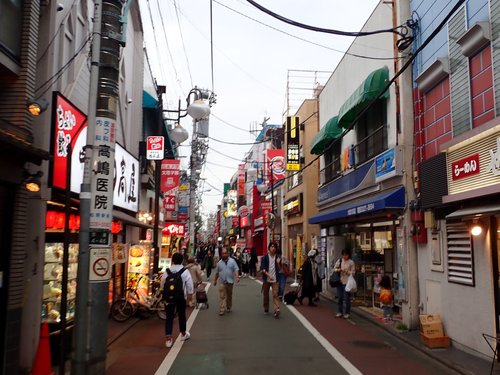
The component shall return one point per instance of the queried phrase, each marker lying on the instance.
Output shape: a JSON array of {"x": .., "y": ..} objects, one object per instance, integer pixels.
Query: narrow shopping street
[{"x": 304, "y": 340}]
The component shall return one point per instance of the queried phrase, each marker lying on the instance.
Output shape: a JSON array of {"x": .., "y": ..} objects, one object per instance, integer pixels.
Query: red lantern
[
  {"x": 77, "y": 222},
  {"x": 60, "y": 220},
  {"x": 50, "y": 219},
  {"x": 116, "y": 227}
]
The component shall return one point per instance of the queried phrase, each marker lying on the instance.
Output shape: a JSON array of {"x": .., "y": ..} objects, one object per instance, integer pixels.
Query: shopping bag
[{"x": 351, "y": 285}]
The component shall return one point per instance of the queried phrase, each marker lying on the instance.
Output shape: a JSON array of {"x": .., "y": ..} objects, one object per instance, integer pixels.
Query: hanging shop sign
[
  {"x": 174, "y": 228},
  {"x": 169, "y": 202},
  {"x": 155, "y": 148},
  {"x": 101, "y": 179},
  {"x": 244, "y": 222},
  {"x": 293, "y": 206},
  {"x": 123, "y": 183},
  {"x": 241, "y": 179},
  {"x": 67, "y": 124},
  {"x": 275, "y": 164},
  {"x": 126, "y": 190},
  {"x": 232, "y": 203},
  {"x": 235, "y": 221},
  {"x": 243, "y": 211},
  {"x": 170, "y": 175},
  {"x": 292, "y": 144},
  {"x": 473, "y": 163},
  {"x": 388, "y": 164}
]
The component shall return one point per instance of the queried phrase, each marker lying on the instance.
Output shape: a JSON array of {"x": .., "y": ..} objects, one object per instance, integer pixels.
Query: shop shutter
[{"x": 460, "y": 255}]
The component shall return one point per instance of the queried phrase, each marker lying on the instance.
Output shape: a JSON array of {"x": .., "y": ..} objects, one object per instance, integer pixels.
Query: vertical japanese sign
[
  {"x": 275, "y": 163},
  {"x": 232, "y": 203},
  {"x": 155, "y": 148},
  {"x": 170, "y": 175},
  {"x": 169, "y": 202},
  {"x": 126, "y": 188},
  {"x": 241, "y": 179},
  {"x": 292, "y": 144},
  {"x": 101, "y": 200},
  {"x": 68, "y": 123}
]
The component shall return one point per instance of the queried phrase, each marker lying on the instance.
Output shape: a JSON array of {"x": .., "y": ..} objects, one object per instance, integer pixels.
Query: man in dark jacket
[{"x": 269, "y": 267}]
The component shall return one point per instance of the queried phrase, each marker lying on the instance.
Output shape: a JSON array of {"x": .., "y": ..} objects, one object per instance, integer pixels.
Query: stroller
[{"x": 201, "y": 297}]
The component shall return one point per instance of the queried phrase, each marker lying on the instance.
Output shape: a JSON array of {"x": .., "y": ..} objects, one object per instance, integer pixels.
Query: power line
[
  {"x": 228, "y": 124},
  {"x": 329, "y": 31},
  {"x": 183, "y": 44},
  {"x": 303, "y": 39}
]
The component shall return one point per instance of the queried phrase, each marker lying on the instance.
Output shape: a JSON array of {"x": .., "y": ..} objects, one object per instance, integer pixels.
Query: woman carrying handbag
[{"x": 344, "y": 267}]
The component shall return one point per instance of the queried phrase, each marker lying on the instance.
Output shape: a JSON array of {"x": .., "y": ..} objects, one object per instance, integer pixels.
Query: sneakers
[
  {"x": 339, "y": 315},
  {"x": 169, "y": 342},
  {"x": 277, "y": 314},
  {"x": 221, "y": 313},
  {"x": 347, "y": 316},
  {"x": 186, "y": 336},
  {"x": 266, "y": 312}
]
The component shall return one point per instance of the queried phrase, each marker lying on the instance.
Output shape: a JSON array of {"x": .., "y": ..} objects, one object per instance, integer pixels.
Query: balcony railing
[{"x": 366, "y": 149}]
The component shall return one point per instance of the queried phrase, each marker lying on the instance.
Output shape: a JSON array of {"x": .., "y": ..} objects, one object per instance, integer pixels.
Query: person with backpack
[
  {"x": 177, "y": 285},
  {"x": 226, "y": 271}
]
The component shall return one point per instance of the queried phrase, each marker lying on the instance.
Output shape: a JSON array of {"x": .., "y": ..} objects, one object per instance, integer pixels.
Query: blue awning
[
  {"x": 148, "y": 101},
  {"x": 386, "y": 200}
]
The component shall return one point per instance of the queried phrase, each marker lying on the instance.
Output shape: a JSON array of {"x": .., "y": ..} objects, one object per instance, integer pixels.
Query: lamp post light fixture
[{"x": 37, "y": 106}]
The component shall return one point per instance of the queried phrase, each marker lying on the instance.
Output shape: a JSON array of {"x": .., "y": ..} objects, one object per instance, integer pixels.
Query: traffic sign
[
  {"x": 155, "y": 148},
  {"x": 100, "y": 264}
]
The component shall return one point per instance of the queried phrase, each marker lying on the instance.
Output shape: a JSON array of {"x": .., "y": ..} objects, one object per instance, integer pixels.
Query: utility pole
[
  {"x": 96, "y": 197},
  {"x": 193, "y": 184}
]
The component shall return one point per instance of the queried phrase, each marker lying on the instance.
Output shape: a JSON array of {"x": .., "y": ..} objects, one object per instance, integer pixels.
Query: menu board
[{"x": 138, "y": 258}]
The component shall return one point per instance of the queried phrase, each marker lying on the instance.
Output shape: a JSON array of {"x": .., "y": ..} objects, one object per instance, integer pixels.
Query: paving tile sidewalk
[{"x": 452, "y": 357}]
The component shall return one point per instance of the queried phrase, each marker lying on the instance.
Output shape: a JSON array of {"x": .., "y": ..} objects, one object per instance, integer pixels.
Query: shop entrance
[{"x": 372, "y": 247}]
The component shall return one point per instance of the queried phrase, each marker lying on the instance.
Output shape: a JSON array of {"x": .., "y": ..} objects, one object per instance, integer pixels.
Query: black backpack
[{"x": 173, "y": 289}]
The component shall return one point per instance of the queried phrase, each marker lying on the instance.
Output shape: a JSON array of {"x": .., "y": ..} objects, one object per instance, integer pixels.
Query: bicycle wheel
[
  {"x": 122, "y": 310},
  {"x": 160, "y": 310}
]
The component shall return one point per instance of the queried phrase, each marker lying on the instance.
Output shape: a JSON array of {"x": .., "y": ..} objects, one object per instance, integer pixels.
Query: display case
[{"x": 52, "y": 282}]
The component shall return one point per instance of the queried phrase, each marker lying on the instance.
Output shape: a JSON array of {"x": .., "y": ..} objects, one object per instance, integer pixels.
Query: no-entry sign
[{"x": 155, "y": 148}]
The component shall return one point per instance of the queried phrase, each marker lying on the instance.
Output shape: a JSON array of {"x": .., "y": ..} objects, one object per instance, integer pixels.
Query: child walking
[{"x": 385, "y": 297}]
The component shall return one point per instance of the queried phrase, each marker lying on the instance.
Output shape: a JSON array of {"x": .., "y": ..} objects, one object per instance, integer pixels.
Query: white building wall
[{"x": 352, "y": 71}]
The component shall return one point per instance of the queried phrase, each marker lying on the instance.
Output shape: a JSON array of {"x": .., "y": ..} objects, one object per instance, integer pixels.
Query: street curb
[{"x": 422, "y": 349}]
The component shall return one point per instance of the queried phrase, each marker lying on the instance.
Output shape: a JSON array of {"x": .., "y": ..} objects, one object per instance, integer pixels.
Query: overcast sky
[{"x": 252, "y": 56}]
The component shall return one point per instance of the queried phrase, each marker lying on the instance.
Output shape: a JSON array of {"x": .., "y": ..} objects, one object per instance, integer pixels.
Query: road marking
[
  {"x": 169, "y": 359},
  {"x": 336, "y": 355}
]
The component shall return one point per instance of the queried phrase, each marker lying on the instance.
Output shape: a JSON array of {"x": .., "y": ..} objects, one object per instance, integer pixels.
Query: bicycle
[{"x": 124, "y": 308}]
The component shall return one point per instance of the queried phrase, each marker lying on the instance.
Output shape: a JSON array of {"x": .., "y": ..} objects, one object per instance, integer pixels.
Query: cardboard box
[
  {"x": 431, "y": 326},
  {"x": 435, "y": 342}
]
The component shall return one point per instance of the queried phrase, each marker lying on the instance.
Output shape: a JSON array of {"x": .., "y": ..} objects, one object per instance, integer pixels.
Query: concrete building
[{"x": 366, "y": 180}]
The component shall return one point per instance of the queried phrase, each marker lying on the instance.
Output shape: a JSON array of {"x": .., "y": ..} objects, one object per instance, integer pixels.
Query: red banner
[
  {"x": 241, "y": 179},
  {"x": 170, "y": 174},
  {"x": 69, "y": 121},
  {"x": 275, "y": 161}
]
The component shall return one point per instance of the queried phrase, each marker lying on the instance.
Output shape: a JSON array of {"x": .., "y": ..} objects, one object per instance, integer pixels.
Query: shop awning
[
  {"x": 386, "y": 200},
  {"x": 148, "y": 101},
  {"x": 371, "y": 87},
  {"x": 326, "y": 134},
  {"x": 475, "y": 211}
]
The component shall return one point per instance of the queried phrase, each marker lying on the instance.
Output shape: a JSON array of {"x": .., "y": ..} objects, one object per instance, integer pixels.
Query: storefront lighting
[
  {"x": 32, "y": 182},
  {"x": 178, "y": 134},
  {"x": 37, "y": 106},
  {"x": 476, "y": 229}
]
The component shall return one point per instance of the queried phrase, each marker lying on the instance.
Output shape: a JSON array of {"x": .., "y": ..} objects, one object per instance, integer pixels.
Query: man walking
[
  {"x": 269, "y": 266},
  {"x": 226, "y": 271},
  {"x": 175, "y": 278}
]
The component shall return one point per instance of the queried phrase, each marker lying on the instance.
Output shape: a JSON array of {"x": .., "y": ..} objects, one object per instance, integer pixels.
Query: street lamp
[{"x": 199, "y": 110}]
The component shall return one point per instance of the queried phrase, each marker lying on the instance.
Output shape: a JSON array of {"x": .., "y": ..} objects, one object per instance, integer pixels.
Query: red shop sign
[
  {"x": 465, "y": 167},
  {"x": 173, "y": 228},
  {"x": 67, "y": 124}
]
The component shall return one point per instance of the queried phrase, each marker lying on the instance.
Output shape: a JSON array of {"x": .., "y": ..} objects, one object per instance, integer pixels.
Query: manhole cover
[{"x": 370, "y": 344}]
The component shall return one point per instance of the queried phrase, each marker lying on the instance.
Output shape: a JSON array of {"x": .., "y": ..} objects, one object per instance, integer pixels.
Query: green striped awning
[
  {"x": 371, "y": 88},
  {"x": 326, "y": 134}
]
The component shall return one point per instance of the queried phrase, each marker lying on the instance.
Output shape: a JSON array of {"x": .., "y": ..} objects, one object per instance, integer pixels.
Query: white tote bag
[{"x": 351, "y": 285}]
